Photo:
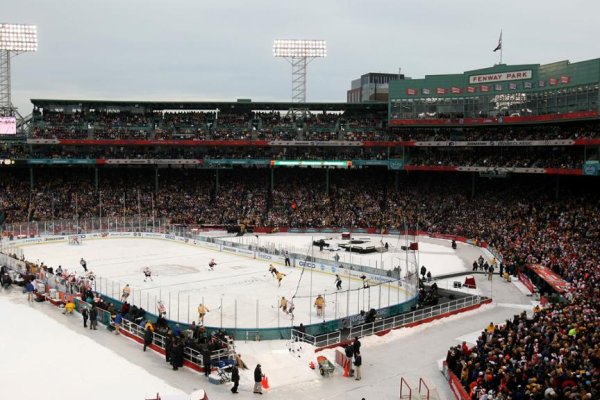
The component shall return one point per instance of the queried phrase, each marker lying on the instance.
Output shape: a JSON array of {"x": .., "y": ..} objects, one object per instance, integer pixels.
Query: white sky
[{"x": 221, "y": 50}]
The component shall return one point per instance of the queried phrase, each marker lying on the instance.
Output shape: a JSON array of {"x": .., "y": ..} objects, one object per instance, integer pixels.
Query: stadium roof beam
[
  {"x": 14, "y": 40},
  {"x": 299, "y": 53}
]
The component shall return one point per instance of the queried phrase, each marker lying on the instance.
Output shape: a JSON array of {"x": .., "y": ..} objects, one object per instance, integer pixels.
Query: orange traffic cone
[
  {"x": 265, "y": 382},
  {"x": 347, "y": 370}
]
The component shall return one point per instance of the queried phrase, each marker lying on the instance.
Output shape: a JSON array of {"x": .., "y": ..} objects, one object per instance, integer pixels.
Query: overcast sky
[{"x": 222, "y": 49}]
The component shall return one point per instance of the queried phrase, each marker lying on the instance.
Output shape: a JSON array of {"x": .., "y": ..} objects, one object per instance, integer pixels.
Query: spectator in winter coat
[
  {"x": 258, "y": 375},
  {"x": 85, "y": 314},
  {"x": 206, "y": 361},
  {"x": 177, "y": 354},
  {"x": 357, "y": 364},
  {"x": 94, "y": 318},
  {"x": 356, "y": 345},
  {"x": 148, "y": 334},
  {"x": 29, "y": 289},
  {"x": 235, "y": 378},
  {"x": 69, "y": 307},
  {"x": 168, "y": 346},
  {"x": 118, "y": 322},
  {"x": 239, "y": 362}
]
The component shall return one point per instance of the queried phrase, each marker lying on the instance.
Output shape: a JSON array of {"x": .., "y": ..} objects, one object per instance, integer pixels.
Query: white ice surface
[{"x": 240, "y": 291}]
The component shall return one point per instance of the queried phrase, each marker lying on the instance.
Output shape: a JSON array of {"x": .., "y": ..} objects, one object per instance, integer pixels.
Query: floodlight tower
[
  {"x": 299, "y": 53},
  {"x": 14, "y": 40}
]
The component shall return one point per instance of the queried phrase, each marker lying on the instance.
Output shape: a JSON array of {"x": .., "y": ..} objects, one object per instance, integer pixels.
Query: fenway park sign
[{"x": 501, "y": 76}]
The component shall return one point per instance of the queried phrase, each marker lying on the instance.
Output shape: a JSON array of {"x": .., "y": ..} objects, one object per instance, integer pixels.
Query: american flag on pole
[{"x": 499, "y": 46}]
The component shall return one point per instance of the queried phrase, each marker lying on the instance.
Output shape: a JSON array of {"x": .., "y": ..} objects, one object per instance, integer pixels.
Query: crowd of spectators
[
  {"x": 553, "y": 354},
  {"x": 527, "y": 157},
  {"x": 212, "y": 125}
]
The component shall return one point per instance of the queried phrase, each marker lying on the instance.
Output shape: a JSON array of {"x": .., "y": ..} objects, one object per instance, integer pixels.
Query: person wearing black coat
[
  {"x": 235, "y": 378},
  {"x": 94, "y": 318},
  {"x": 356, "y": 345},
  {"x": 168, "y": 346},
  {"x": 258, "y": 379},
  {"x": 148, "y": 337},
  {"x": 85, "y": 314},
  {"x": 206, "y": 361},
  {"x": 357, "y": 364},
  {"x": 177, "y": 354}
]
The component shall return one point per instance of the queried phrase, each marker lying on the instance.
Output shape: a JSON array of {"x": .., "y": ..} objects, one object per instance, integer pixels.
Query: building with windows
[
  {"x": 371, "y": 87},
  {"x": 499, "y": 94}
]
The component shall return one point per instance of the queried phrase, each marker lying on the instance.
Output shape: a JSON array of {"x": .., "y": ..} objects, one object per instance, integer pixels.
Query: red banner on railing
[
  {"x": 551, "y": 278},
  {"x": 524, "y": 279}
]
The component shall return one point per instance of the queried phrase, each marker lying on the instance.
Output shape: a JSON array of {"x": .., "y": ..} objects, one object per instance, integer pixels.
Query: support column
[
  {"x": 30, "y": 178},
  {"x": 216, "y": 181},
  {"x": 327, "y": 181},
  {"x": 397, "y": 180},
  {"x": 156, "y": 179},
  {"x": 272, "y": 180},
  {"x": 473, "y": 184},
  {"x": 96, "y": 178},
  {"x": 557, "y": 187}
]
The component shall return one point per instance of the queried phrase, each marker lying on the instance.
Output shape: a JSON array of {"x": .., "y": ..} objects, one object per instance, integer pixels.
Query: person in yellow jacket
[
  {"x": 279, "y": 276},
  {"x": 69, "y": 307},
  {"x": 202, "y": 310},
  {"x": 319, "y": 305}
]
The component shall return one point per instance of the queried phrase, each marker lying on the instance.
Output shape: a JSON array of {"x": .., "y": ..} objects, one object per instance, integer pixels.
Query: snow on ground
[
  {"x": 35, "y": 332},
  {"x": 42, "y": 359}
]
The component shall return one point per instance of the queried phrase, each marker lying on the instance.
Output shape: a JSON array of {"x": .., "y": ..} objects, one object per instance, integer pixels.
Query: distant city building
[{"x": 371, "y": 87}]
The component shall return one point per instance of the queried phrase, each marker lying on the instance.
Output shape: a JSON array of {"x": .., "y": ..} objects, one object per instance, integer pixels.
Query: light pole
[
  {"x": 14, "y": 40},
  {"x": 299, "y": 53}
]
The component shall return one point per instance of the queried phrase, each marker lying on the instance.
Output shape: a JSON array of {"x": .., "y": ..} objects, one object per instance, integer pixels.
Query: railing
[
  {"x": 87, "y": 225},
  {"x": 333, "y": 338},
  {"x": 414, "y": 316},
  {"x": 319, "y": 340},
  {"x": 424, "y": 385},
  {"x": 404, "y": 384}
]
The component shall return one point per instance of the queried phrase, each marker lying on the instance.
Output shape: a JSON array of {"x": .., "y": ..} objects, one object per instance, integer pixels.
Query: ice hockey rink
[{"x": 240, "y": 291}]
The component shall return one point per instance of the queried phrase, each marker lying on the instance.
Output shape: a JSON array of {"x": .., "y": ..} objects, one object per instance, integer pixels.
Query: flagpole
[{"x": 501, "y": 46}]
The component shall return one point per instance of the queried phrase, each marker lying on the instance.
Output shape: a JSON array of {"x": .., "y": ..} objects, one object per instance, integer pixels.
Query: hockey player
[
  {"x": 202, "y": 310},
  {"x": 364, "y": 281},
  {"x": 283, "y": 304},
  {"x": 160, "y": 307},
  {"x": 125, "y": 294},
  {"x": 319, "y": 305},
  {"x": 338, "y": 282},
  {"x": 147, "y": 274},
  {"x": 291, "y": 308},
  {"x": 279, "y": 276},
  {"x": 212, "y": 264},
  {"x": 83, "y": 264},
  {"x": 272, "y": 270}
]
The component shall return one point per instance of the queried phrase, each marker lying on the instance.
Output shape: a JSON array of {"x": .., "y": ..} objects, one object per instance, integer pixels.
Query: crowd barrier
[{"x": 384, "y": 325}]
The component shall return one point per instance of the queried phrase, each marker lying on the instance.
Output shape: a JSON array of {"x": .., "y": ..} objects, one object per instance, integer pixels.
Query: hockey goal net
[{"x": 75, "y": 239}]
